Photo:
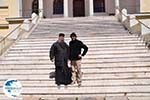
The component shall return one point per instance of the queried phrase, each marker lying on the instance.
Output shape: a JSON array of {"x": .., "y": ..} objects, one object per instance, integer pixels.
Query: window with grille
[
  {"x": 58, "y": 7},
  {"x": 99, "y": 6}
]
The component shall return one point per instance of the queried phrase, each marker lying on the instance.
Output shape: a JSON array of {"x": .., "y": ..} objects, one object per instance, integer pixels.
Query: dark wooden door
[{"x": 78, "y": 8}]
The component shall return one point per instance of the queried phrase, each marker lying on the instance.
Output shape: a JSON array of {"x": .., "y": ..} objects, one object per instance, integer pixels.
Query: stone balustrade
[
  {"x": 138, "y": 24},
  {"x": 17, "y": 27}
]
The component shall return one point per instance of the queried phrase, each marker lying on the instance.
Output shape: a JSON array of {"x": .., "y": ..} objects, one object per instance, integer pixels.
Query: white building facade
[
  {"x": 76, "y": 8},
  {"x": 70, "y": 8}
]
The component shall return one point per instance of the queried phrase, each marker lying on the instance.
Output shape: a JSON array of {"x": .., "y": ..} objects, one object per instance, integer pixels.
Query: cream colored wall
[
  {"x": 3, "y": 15},
  {"x": 3, "y": 32},
  {"x": 131, "y": 5},
  {"x": 145, "y": 6},
  {"x": 15, "y": 7},
  {"x": 3, "y": 3},
  {"x": 3, "y": 11}
]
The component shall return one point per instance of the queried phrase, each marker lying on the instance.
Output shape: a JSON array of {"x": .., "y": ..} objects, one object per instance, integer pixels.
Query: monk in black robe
[{"x": 59, "y": 53}]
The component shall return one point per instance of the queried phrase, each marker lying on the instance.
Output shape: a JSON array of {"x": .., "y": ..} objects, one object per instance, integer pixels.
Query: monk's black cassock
[{"x": 60, "y": 52}]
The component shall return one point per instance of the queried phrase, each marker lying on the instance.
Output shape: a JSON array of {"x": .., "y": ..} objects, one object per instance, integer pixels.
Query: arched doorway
[
  {"x": 35, "y": 6},
  {"x": 58, "y": 7},
  {"x": 99, "y": 6},
  {"x": 78, "y": 8}
]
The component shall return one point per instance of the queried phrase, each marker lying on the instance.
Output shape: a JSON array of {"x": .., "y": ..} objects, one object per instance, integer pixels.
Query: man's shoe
[
  {"x": 73, "y": 83},
  {"x": 79, "y": 84},
  {"x": 66, "y": 87},
  {"x": 58, "y": 86}
]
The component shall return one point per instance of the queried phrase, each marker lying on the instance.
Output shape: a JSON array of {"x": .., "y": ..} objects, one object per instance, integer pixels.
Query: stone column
[
  {"x": 66, "y": 8},
  {"x": 91, "y": 8},
  {"x": 41, "y": 8},
  {"x": 117, "y": 8}
]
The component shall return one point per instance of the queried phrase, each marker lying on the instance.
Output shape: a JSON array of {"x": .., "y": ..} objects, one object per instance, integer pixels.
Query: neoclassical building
[
  {"x": 69, "y": 8},
  {"x": 65, "y": 8},
  {"x": 78, "y": 8},
  {"x": 73, "y": 8}
]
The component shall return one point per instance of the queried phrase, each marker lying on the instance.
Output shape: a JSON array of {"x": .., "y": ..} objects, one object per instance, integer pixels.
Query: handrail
[
  {"x": 135, "y": 19},
  {"x": 10, "y": 33},
  {"x": 147, "y": 43},
  {"x": 143, "y": 24},
  {"x": 3, "y": 39}
]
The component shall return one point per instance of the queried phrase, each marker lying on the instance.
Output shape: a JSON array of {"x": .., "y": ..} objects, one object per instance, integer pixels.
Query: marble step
[
  {"x": 37, "y": 71},
  {"x": 128, "y": 37},
  {"x": 88, "y": 83},
  {"x": 89, "y": 52},
  {"x": 84, "y": 66},
  {"x": 100, "y": 56},
  {"x": 51, "y": 40},
  {"x": 88, "y": 43},
  {"x": 100, "y": 65},
  {"x": 46, "y": 60},
  {"x": 102, "y": 40},
  {"x": 88, "y": 76},
  {"x": 81, "y": 32},
  {"x": 93, "y": 35},
  {"x": 81, "y": 27},
  {"x": 85, "y": 32},
  {"x": 83, "y": 90},
  {"x": 90, "y": 49},
  {"x": 88, "y": 61}
]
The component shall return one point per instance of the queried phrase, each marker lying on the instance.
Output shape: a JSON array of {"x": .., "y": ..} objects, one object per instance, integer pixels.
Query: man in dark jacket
[
  {"x": 75, "y": 56},
  {"x": 60, "y": 53}
]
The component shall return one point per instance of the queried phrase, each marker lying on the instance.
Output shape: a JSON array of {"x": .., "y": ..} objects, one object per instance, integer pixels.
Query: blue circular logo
[{"x": 12, "y": 88}]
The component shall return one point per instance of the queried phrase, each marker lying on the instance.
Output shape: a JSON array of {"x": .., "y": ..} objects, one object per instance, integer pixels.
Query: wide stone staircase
[{"x": 117, "y": 63}]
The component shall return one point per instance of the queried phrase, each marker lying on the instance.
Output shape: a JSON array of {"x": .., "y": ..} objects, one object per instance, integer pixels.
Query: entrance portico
[{"x": 70, "y": 8}]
